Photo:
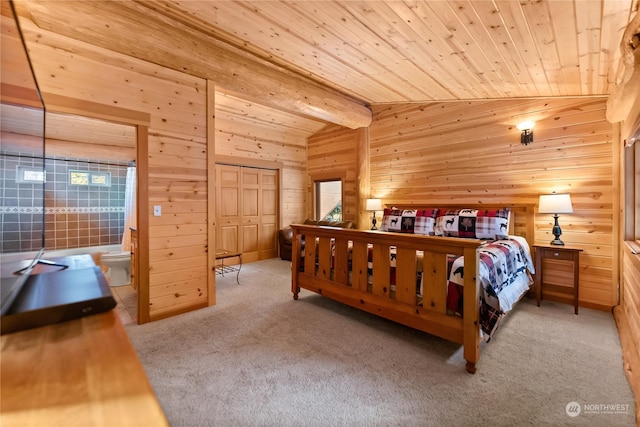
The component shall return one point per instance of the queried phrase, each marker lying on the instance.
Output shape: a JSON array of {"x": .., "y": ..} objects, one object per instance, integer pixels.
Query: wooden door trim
[
  {"x": 212, "y": 215},
  {"x": 63, "y": 104},
  {"x": 141, "y": 121},
  {"x": 142, "y": 223},
  {"x": 251, "y": 163}
]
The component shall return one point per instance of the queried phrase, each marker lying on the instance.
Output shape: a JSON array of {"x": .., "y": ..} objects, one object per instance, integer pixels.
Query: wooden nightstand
[{"x": 557, "y": 273}]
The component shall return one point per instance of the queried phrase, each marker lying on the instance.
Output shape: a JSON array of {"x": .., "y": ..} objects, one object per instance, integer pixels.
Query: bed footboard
[{"x": 355, "y": 267}]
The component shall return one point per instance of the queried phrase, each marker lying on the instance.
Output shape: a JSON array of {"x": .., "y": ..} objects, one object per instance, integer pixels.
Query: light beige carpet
[{"x": 259, "y": 358}]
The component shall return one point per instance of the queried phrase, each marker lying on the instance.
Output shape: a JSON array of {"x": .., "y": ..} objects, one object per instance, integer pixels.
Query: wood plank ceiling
[
  {"x": 363, "y": 53},
  {"x": 399, "y": 51}
]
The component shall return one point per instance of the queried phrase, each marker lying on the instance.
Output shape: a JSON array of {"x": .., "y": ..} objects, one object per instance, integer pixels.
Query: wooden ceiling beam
[
  {"x": 157, "y": 38},
  {"x": 624, "y": 97}
]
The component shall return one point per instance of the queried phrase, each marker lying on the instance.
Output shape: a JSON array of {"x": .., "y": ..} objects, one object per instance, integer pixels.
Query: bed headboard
[{"x": 521, "y": 223}]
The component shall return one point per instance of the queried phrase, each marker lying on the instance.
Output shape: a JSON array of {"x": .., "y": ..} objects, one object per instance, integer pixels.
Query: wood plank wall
[
  {"x": 177, "y": 245},
  {"x": 631, "y": 306},
  {"x": 627, "y": 317},
  {"x": 332, "y": 154},
  {"x": 415, "y": 151},
  {"x": 628, "y": 313},
  {"x": 177, "y": 157},
  {"x": 251, "y": 134},
  {"x": 450, "y": 152}
]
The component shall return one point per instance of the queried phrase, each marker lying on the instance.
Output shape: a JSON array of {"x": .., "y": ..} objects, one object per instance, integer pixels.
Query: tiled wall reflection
[
  {"x": 81, "y": 215},
  {"x": 74, "y": 215},
  {"x": 21, "y": 211}
]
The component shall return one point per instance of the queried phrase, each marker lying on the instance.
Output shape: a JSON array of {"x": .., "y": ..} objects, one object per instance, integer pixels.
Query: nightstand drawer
[{"x": 557, "y": 254}]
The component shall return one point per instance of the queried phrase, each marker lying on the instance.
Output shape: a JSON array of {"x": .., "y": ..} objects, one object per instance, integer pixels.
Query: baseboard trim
[
  {"x": 599, "y": 307},
  {"x": 569, "y": 300}
]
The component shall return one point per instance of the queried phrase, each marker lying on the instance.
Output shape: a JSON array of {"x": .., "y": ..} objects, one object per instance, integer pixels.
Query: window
[
  {"x": 632, "y": 192},
  {"x": 101, "y": 179},
  {"x": 78, "y": 178},
  {"x": 328, "y": 200},
  {"x": 28, "y": 175}
]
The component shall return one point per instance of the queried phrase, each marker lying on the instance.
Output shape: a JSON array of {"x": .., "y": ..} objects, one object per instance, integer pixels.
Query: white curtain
[{"x": 129, "y": 208}]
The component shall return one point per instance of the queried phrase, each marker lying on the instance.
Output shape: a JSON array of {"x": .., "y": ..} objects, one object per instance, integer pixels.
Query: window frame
[
  {"x": 316, "y": 181},
  {"x": 631, "y": 184},
  {"x": 21, "y": 172},
  {"x": 73, "y": 174}
]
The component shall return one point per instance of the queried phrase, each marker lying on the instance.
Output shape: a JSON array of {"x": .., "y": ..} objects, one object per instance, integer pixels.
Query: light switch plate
[{"x": 157, "y": 210}]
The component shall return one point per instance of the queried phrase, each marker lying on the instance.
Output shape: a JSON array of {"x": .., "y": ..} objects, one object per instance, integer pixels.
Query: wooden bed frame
[{"x": 431, "y": 317}]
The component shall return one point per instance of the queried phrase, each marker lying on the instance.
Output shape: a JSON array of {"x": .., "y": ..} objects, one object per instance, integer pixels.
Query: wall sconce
[
  {"x": 555, "y": 204},
  {"x": 373, "y": 205},
  {"x": 526, "y": 137}
]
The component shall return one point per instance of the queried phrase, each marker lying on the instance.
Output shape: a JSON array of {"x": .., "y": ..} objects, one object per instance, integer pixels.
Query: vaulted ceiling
[
  {"x": 398, "y": 51},
  {"x": 331, "y": 59}
]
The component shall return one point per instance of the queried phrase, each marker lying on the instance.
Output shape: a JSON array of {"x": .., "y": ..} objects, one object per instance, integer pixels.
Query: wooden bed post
[{"x": 471, "y": 315}]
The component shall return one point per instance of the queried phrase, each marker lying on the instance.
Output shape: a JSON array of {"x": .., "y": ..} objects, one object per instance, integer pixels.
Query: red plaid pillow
[
  {"x": 420, "y": 221},
  {"x": 473, "y": 223}
]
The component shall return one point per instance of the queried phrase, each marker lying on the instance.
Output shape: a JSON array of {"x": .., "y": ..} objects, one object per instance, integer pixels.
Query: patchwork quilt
[{"x": 505, "y": 268}]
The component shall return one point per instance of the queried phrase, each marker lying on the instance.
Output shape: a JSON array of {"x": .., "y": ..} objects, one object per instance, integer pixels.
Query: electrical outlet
[{"x": 157, "y": 210}]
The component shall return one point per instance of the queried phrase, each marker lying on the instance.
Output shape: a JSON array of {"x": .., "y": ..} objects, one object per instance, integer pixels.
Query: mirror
[
  {"x": 21, "y": 157},
  {"x": 66, "y": 180},
  {"x": 88, "y": 167}
]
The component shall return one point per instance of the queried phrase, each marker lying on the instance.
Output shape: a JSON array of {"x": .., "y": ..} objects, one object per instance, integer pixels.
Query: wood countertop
[{"x": 81, "y": 372}]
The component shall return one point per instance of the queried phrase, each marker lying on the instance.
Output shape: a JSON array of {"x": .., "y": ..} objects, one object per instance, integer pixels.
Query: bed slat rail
[{"x": 432, "y": 278}]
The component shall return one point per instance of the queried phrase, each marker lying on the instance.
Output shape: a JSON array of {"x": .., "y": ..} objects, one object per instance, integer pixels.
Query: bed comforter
[{"x": 505, "y": 268}]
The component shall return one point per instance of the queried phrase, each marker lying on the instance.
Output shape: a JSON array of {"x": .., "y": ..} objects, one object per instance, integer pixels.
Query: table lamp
[
  {"x": 373, "y": 205},
  {"x": 555, "y": 204}
]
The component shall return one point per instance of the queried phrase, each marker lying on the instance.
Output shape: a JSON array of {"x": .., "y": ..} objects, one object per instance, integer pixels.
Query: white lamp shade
[
  {"x": 373, "y": 205},
  {"x": 555, "y": 203}
]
